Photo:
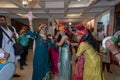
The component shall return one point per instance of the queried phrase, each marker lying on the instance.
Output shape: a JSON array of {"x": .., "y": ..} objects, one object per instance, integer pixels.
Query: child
[{"x": 105, "y": 56}]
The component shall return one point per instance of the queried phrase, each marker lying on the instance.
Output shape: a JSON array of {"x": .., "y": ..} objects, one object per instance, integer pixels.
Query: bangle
[{"x": 116, "y": 53}]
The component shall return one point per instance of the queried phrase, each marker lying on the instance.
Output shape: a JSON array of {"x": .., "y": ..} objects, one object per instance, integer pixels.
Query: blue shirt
[{"x": 23, "y": 39}]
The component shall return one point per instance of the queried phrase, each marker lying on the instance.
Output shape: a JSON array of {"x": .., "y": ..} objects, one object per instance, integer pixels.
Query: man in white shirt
[{"x": 5, "y": 43}]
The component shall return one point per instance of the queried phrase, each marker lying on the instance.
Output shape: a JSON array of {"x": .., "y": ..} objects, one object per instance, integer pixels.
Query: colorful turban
[
  {"x": 3, "y": 60},
  {"x": 80, "y": 27},
  {"x": 42, "y": 26},
  {"x": 81, "y": 30},
  {"x": 24, "y": 27},
  {"x": 61, "y": 27}
]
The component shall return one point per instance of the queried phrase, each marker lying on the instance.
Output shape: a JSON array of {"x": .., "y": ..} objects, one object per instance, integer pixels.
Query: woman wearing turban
[
  {"x": 64, "y": 65},
  {"x": 23, "y": 39},
  {"x": 78, "y": 71},
  {"x": 88, "y": 48},
  {"x": 41, "y": 61}
]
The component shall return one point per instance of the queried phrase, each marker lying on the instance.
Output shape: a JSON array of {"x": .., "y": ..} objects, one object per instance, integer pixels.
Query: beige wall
[
  {"x": 112, "y": 14},
  {"x": 111, "y": 21}
]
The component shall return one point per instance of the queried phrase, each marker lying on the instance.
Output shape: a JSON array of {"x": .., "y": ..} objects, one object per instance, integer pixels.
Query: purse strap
[{"x": 6, "y": 34}]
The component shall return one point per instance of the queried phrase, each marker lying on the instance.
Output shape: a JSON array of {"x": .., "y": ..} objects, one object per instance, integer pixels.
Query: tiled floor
[{"x": 26, "y": 74}]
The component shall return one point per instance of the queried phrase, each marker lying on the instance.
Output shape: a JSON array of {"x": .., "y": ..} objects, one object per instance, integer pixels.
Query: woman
[
  {"x": 41, "y": 62},
  {"x": 78, "y": 71},
  {"x": 92, "y": 66},
  {"x": 64, "y": 55},
  {"x": 23, "y": 39},
  {"x": 54, "y": 56}
]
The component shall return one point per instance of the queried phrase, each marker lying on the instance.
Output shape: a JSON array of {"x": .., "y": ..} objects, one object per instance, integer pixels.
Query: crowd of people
[{"x": 53, "y": 55}]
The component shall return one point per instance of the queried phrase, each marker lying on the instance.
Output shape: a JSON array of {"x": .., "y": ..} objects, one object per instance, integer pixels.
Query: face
[
  {"x": 110, "y": 44},
  {"x": 61, "y": 32},
  {"x": 79, "y": 37},
  {"x": 43, "y": 31},
  {"x": 24, "y": 32},
  {"x": 3, "y": 21}
]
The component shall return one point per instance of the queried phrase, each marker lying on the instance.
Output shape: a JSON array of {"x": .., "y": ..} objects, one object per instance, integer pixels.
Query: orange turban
[
  {"x": 41, "y": 26},
  {"x": 61, "y": 27}
]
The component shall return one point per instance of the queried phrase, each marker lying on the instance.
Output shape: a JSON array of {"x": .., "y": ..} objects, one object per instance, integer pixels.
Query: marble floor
[{"x": 26, "y": 74}]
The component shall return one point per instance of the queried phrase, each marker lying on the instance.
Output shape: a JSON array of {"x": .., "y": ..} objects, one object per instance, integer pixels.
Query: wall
[{"x": 106, "y": 17}]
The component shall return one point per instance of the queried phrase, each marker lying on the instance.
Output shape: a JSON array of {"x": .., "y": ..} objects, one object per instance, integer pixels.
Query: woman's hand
[
  {"x": 67, "y": 41},
  {"x": 56, "y": 36},
  {"x": 30, "y": 16}
]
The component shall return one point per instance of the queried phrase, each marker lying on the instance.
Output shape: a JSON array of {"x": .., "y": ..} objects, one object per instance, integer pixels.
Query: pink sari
[
  {"x": 54, "y": 56},
  {"x": 78, "y": 71}
]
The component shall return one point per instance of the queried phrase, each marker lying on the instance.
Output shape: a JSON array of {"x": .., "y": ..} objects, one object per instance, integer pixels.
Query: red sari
[{"x": 54, "y": 56}]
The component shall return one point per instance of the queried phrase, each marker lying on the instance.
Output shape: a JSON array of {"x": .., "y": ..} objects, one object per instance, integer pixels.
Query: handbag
[{"x": 18, "y": 48}]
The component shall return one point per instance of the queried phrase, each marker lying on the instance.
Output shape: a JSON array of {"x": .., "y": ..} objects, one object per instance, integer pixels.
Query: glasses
[{"x": 44, "y": 28}]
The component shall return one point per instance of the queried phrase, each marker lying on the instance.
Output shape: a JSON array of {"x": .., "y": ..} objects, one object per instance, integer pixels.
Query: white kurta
[{"x": 7, "y": 45}]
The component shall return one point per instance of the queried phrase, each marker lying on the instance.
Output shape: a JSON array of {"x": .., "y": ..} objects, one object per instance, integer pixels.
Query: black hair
[
  {"x": 1, "y": 16},
  {"x": 92, "y": 41}
]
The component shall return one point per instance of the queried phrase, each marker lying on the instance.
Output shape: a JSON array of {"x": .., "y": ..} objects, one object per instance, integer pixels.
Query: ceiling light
[
  {"x": 78, "y": 0},
  {"x": 25, "y": 2},
  {"x": 74, "y": 15},
  {"x": 70, "y": 23}
]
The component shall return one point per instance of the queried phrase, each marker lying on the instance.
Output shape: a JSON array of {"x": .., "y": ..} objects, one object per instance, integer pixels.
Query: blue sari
[{"x": 64, "y": 65}]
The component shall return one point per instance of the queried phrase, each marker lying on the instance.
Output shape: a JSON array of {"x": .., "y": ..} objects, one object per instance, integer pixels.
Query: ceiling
[{"x": 61, "y": 10}]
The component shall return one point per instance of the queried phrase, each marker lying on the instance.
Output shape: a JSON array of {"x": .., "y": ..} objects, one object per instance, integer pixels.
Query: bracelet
[{"x": 116, "y": 53}]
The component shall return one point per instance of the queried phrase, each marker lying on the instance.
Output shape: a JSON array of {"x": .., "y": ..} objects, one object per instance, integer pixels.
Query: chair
[{"x": 7, "y": 71}]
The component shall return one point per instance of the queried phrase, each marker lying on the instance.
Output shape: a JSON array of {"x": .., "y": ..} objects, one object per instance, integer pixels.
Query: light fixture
[
  {"x": 25, "y": 2},
  {"x": 70, "y": 23},
  {"x": 78, "y": 0}
]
